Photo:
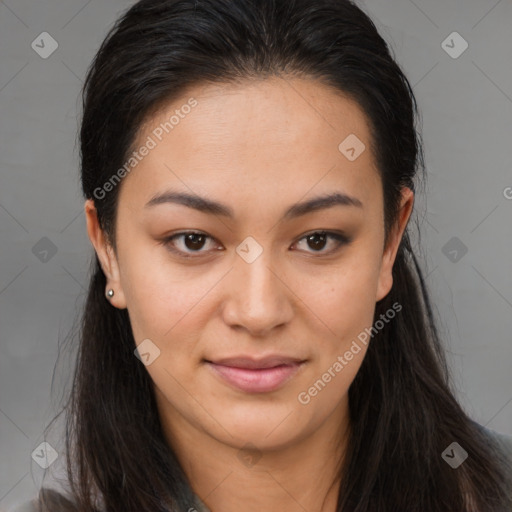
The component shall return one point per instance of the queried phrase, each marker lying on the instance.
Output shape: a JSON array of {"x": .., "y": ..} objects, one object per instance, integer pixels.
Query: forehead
[{"x": 264, "y": 136}]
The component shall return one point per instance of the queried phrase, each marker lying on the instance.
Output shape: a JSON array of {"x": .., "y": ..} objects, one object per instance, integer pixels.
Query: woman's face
[{"x": 256, "y": 328}]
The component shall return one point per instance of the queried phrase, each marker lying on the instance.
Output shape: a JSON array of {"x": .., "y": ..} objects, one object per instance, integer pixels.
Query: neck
[{"x": 303, "y": 475}]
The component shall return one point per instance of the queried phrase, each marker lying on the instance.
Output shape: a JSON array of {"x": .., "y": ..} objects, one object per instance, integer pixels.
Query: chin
[{"x": 265, "y": 427}]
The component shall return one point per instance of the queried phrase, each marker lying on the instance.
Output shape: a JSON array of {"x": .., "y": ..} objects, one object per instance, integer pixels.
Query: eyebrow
[{"x": 209, "y": 206}]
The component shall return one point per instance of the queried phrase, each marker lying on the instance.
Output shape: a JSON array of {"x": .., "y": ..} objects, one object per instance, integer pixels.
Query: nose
[{"x": 258, "y": 298}]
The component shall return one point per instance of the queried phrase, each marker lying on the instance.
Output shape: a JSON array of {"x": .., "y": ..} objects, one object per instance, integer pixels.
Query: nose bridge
[{"x": 258, "y": 300}]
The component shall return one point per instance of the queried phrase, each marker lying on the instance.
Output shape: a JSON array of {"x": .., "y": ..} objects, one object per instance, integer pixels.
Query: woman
[{"x": 257, "y": 333}]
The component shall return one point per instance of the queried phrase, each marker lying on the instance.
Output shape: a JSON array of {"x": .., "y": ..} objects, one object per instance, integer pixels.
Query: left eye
[
  {"x": 194, "y": 242},
  {"x": 318, "y": 240}
]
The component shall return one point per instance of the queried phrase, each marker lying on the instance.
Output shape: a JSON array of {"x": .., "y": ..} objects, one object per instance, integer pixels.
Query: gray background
[{"x": 466, "y": 106}]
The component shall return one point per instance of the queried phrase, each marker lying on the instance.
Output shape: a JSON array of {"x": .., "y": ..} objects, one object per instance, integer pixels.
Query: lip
[{"x": 256, "y": 375}]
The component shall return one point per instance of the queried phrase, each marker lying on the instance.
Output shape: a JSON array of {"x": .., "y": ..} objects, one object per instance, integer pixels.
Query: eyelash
[{"x": 340, "y": 239}]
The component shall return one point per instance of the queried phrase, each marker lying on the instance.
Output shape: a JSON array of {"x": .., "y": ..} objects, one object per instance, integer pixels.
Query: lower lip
[{"x": 256, "y": 381}]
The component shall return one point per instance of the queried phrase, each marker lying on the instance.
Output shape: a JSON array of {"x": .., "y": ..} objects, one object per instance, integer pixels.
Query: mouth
[{"x": 256, "y": 375}]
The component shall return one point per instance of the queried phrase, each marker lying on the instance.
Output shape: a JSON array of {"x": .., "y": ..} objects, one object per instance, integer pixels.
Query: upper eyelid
[
  {"x": 339, "y": 237},
  {"x": 314, "y": 232}
]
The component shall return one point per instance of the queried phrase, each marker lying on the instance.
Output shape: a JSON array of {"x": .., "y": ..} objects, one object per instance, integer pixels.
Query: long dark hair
[{"x": 403, "y": 410}]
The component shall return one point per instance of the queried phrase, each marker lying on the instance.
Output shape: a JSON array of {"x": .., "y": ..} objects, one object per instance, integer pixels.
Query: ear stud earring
[{"x": 110, "y": 293}]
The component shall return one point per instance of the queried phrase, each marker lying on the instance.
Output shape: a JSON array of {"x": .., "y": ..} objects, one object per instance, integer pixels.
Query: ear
[
  {"x": 388, "y": 258},
  {"x": 106, "y": 255}
]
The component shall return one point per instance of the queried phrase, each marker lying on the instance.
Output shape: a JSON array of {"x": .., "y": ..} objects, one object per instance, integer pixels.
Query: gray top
[{"x": 504, "y": 441}]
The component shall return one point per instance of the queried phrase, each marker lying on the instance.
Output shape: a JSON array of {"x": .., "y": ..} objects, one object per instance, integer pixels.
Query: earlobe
[
  {"x": 106, "y": 256},
  {"x": 388, "y": 259}
]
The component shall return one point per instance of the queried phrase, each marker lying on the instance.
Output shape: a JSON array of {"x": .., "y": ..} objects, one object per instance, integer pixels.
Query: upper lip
[{"x": 257, "y": 364}]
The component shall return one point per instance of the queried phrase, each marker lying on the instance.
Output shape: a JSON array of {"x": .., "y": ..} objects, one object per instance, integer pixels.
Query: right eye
[{"x": 188, "y": 242}]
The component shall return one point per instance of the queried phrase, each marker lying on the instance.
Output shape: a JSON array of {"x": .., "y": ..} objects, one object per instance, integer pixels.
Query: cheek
[
  {"x": 344, "y": 305},
  {"x": 161, "y": 297},
  {"x": 165, "y": 299},
  {"x": 344, "y": 299}
]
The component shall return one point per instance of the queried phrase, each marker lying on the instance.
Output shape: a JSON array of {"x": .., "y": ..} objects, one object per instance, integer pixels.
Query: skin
[{"x": 258, "y": 147}]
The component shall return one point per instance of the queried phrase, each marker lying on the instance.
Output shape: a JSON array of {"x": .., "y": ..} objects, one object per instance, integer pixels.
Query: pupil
[
  {"x": 316, "y": 245},
  {"x": 193, "y": 239}
]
